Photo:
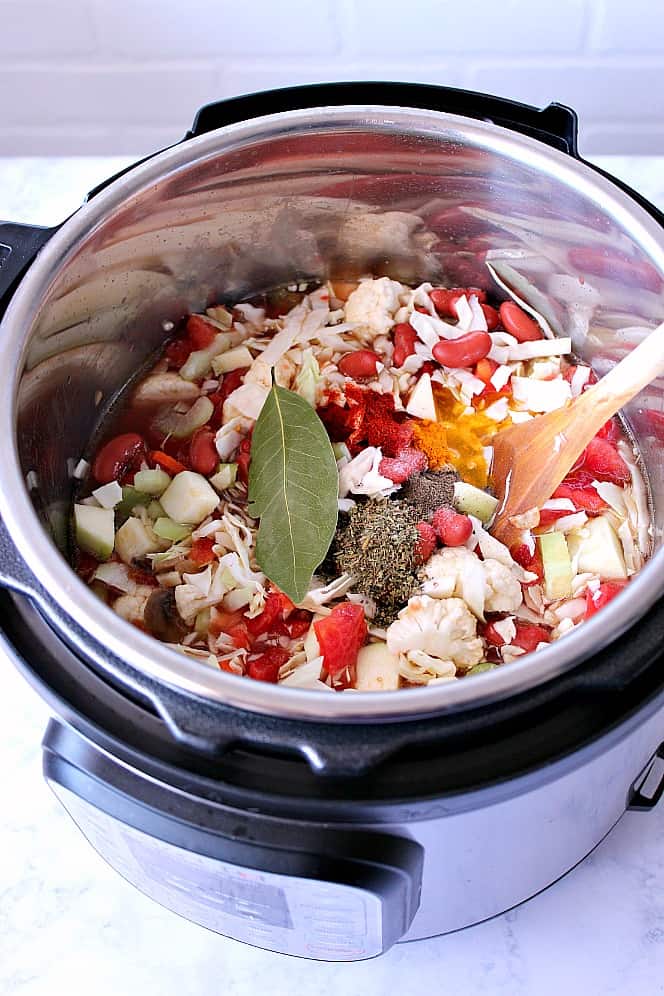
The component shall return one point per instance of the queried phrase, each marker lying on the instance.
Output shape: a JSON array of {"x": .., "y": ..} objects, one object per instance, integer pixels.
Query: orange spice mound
[{"x": 456, "y": 438}]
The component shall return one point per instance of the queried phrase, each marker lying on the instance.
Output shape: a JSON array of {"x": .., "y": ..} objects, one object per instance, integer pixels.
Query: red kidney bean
[
  {"x": 518, "y": 323},
  {"x": 405, "y": 338},
  {"x": 359, "y": 365},
  {"x": 117, "y": 457},
  {"x": 444, "y": 300},
  {"x": 465, "y": 351},
  {"x": 203, "y": 455},
  {"x": 491, "y": 315}
]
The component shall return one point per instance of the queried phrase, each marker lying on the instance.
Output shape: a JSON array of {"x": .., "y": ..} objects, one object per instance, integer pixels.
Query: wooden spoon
[{"x": 531, "y": 459}]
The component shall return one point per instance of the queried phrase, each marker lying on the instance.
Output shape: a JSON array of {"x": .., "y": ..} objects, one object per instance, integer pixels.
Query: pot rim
[{"x": 165, "y": 665}]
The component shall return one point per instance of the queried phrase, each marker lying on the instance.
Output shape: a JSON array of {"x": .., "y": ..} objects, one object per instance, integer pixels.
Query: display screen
[{"x": 238, "y": 895}]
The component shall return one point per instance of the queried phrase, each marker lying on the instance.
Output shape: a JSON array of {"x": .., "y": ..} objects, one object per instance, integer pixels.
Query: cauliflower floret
[
  {"x": 503, "y": 591},
  {"x": 442, "y": 628},
  {"x": 373, "y": 304},
  {"x": 456, "y": 571}
]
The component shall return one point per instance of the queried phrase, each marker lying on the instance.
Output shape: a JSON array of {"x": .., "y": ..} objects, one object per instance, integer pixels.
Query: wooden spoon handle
[{"x": 640, "y": 367}]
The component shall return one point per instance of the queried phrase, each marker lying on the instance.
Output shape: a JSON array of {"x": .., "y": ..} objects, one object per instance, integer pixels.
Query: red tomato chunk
[{"x": 340, "y": 637}]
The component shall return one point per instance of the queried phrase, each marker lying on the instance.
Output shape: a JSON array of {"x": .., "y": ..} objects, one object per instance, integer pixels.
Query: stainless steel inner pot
[{"x": 345, "y": 191}]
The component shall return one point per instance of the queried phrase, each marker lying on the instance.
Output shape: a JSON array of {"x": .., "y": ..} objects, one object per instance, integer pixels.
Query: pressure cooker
[{"x": 325, "y": 826}]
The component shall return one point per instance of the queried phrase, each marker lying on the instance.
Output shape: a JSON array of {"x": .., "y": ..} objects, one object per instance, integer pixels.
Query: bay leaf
[{"x": 293, "y": 488}]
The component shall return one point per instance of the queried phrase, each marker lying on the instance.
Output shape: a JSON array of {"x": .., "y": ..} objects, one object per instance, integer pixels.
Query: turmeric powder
[{"x": 455, "y": 438}]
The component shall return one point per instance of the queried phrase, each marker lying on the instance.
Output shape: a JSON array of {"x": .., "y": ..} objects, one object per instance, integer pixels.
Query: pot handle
[
  {"x": 556, "y": 125},
  {"x": 19, "y": 244}
]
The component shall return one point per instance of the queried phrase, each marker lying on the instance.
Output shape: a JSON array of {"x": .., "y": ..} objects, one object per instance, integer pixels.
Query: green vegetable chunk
[
  {"x": 170, "y": 530},
  {"x": 225, "y": 476},
  {"x": 557, "y": 565},
  {"x": 293, "y": 487},
  {"x": 473, "y": 501},
  {"x": 152, "y": 482},
  {"x": 95, "y": 530}
]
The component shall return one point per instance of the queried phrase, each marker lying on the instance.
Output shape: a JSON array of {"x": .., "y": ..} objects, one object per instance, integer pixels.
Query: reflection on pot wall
[{"x": 420, "y": 206}]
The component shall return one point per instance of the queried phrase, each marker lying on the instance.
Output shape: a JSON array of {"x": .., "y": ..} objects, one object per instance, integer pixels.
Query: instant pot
[{"x": 327, "y": 826}]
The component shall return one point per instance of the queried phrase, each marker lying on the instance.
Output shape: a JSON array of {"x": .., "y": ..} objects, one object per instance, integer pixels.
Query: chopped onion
[
  {"x": 559, "y": 505},
  {"x": 567, "y": 522},
  {"x": 116, "y": 576},
  {"x": 541, "y": 395},
  {"x": 579, "y": 380},
  {"x": 538, "y": 348}
]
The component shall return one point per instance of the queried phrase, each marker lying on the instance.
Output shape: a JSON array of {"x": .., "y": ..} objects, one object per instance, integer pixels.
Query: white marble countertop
[{"x": 70, "y": 925}]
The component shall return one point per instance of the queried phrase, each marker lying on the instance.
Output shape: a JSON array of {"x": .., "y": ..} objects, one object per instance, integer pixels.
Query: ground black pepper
[{"x": 430, "y": 490}]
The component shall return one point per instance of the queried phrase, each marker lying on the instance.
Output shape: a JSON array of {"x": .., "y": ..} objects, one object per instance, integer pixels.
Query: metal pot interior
[{"x": 310, "y": 195}]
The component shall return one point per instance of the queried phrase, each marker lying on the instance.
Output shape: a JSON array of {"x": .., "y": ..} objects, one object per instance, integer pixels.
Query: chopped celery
[
  {"x": 170, "y": 530},
  {"x": 131, "y": 497},
  {"x": 155, "y": 510},
  {"x": 225, "y": 476},
  {"x": 307, "y": 377},
  {"x": 152, "y": 482},
  {"x": 200, "y": 361},
  {"x": 473, "y": 501},
  {"x": 557, "y": 565},
  {"x": 202, "y": 622},
  {"x": 341, "y": 451},
  {"x": 185, "y": 425},
  {"x": 95, "y": 530},
  {"x": 221, "y": 315},
  {"x": 233, "y": 359}
]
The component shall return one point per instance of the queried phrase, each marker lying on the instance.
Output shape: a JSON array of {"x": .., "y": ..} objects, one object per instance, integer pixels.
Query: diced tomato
[
  {"x": 392, "y": 437},
  {"x": 200, "y": 332},
  {"x": 203, "y": 455},
  {"x": 550, "y": 515},
  {"x": 492, "y": 636},
  {"x": 603, "y": 460},
  {"x": 230, "y": 382},
  {"x": 143, "y": 577},
  {"x": 528, "y": 636},
  {"x": 405, "y": 337},
  {"x": 360, "y": 364},
  {"x": 596, "y": 600},
  {"x": 426, "y": 543},
  {"x": 118, "y": 457},
  {"x": 266, "y": 667},
  {"x": 166, "y": 462},
  {"x": 243, "y": 460},
  {"x": 273, "y": 611},
  {"x": 408, "y": 462},
  {"x": 584, "y": 499},
  {"x": 485, "y": 369},
  {"x": 569, "y": 371},
  {"x": 239, "y": 636},
  {"x": 178, "y": 352},
  {"x": 222, "y": 621},
  {"x": 610, "y": 430},
  {"x": 298, "y": 623},
  {"x": 529, "y": 561},
  {"x": 340, "y": 636},
  {"x": 201, "y": 551},
  {"x": 452, "y": 528}
]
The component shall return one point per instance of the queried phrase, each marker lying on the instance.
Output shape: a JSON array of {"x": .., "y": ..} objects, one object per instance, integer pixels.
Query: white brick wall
[{"x": 125, "y": 76}]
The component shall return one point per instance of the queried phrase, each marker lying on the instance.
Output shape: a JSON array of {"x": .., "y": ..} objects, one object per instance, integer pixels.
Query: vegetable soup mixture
[{"x": 299, "y": 491}]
